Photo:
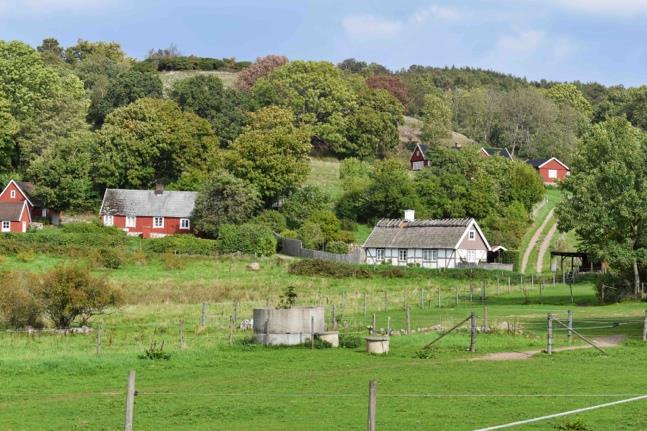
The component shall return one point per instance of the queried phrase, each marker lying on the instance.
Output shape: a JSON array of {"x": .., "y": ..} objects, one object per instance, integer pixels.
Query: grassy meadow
[{"x": 212, "y": 385}]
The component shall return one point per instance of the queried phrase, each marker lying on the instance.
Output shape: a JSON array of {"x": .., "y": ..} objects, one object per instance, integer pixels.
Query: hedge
[{"x": 248, "y": 239}]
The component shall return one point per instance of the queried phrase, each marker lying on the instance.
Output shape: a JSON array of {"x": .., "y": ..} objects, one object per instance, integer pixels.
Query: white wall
[{"x": 446, "y": 258}]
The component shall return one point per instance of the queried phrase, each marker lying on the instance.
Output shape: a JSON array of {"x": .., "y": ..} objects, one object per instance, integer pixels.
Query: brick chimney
[{"x": 159, "y": 188}]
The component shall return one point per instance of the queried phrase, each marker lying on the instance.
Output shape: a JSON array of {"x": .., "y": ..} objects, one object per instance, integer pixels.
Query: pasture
[{"x": 211, "y": 384}]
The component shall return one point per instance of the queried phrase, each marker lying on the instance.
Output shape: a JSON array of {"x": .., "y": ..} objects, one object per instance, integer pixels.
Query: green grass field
[{"x": 57, "y": 382}]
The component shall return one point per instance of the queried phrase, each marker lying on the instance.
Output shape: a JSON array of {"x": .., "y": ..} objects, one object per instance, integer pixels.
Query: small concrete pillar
[{"x": 377, "y": 345}]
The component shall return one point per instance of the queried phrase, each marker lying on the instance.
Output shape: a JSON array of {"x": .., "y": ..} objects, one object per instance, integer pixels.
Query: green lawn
[
  {"x": 324, "y": 173},
  {"x": 58, "y": 382}
]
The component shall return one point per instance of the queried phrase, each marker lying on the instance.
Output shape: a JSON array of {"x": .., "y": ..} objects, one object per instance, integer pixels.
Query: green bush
[
  {"x": 272, "y": 219},
  {"x": 337, "y": 247},
  {"x": 292, "y": 234},
  {"x": 311, "y": 236},
  {"x": 349, "y": 341},
  {"x": 248, "y": 239},
  {"x": 25, "y": 256},
  {"x": 327, "y": 268},
  {"x": 18, "y": 306},
  {"x": 182, "y": 244},
  {"x": 110, "y": 258},
  {"x": 172, "y": 261},
  {"x": 345, "y": 236}
]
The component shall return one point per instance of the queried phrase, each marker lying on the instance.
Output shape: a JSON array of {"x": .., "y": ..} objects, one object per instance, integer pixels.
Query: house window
[
  {"x": 6, "y": 226},
  {"x": 108, "y": 220},
  {"x": 552, "y": 173},
  {"x": 44, "y": 212},
  {"x": 185, "y": 223},
  {"x": 472, "y": 235},
  {"x": 429, "y": 255},
  {"x": 131, "y": 221},
  {"x": 158, "y": 222},
  {"x": 418, "y": 165},
  {"x": 379, "y": 254},
  {"x": 12, "y": 194},
  {"x": 402, "y": 254}
]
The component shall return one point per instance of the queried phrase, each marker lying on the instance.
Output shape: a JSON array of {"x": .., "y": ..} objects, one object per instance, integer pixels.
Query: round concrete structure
[
  {"x": 287, "y": 326},
  {"x": 377, "y": 345}
]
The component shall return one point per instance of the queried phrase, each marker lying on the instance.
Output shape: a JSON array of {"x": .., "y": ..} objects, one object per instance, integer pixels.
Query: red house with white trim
[
  {"x": 418, "y": 159},
  {"x": 22, "y": 191},
  {"x": 148, "y": 213},
  {"x": 551, "y": 170}
]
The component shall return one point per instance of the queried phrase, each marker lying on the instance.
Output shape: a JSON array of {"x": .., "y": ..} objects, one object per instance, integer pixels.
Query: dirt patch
[
  {"x": 602, "y": 342},
  {"x": 533, "y": 241}
]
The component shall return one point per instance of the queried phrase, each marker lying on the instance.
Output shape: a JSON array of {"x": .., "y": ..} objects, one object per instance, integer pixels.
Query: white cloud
[
  {"x": 605, "y": 7},
  {"x": 522, "y": 44},
  {"x": 370, "y": 27},
  {"x": 438, "y": 12}
]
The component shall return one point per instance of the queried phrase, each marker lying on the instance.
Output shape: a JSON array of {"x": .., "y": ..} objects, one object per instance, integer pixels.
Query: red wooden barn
[
  {"x": 18, "y": 207},
  {"x": 551, "y": 170},
  {"x": 418, "y": 159},
  {"x": 148, "y": 213}
]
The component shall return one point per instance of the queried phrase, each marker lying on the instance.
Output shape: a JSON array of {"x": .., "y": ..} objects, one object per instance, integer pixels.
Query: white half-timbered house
[{"x": 447, "y": 243}]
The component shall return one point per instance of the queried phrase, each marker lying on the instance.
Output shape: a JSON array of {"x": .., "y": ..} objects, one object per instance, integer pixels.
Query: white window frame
[
  {"x": 157, "y": 225},
  {"x": 379, "y": 254},
  {"x": 6, "y": 226},
  {"x": 403, "y": 252},
  {"x": 188, "y": 223},
  {"x": 552, "y": 174},
  {"x": 472, "y": 235},
  {"x": 108, "y": 220},
  {"x": 12, "y": 194},
  {"x": 429, "y": 255},
  {"x": 131, "y": 221}
]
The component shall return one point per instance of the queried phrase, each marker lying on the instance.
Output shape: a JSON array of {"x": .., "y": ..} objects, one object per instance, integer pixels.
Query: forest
[{"x": 79, "y": 119}]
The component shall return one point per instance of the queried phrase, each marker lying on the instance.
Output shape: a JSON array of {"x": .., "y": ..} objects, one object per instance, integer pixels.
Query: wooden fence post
[
  {"x": 372, "y": 404},
  {"x": 365, "y": 305},
  {"x": 181, "y": 334},
  {"x": 457, "y": 296},
  {"x": 373, "y": 325},
  {"x": 509, "y": 285},
  {"x": 312, "y": 332},
  {"x": 203, "y": 317},
  {"x": 473, "y": 332},
  {"x": 532, "y": 281},
  {"x": 130, "y": 401},
  {"x": 422, "y": 298},
  {"x": 486, "y": 325},
  {"x": 99, "y": 341},
  {"x": 498, "y": 287},
  {"x": 471, "y": 293},
  {"x": 482, "y": 292},
  {"x": 388, "y": 325},
  {"x": 554, "y": 280},
  {"x": 439, "y": 299},
  {"x": 408, "y": 320},
  {"x": 231, "y": 330},
  {"x": 549, "y": 334},
  {"x": 334, "y": 318},
  {"x": 570, "y": 327},
  {"x": 645, "y": 327}
]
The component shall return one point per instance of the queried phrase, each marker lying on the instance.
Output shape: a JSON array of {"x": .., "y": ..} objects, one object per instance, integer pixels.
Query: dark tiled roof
[
  {"x": 443, "y": 233},
  {"x": 537, "y": 162},
  {"x": 503, "y": 152},
  {"x": 11, "y": 210},
  {"x": 147, "y": 203}
]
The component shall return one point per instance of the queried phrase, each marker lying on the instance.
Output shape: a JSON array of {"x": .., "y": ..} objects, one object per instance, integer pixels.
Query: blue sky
[{"x": 589, "y": 40}]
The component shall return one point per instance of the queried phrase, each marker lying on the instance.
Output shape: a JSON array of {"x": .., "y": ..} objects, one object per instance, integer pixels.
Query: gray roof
[
  {"x": 10, "y": 211},
  {"x": 394, "y": 233},
  {"x": 147, "y": 203},
  {"x": 503, "y": 152}
]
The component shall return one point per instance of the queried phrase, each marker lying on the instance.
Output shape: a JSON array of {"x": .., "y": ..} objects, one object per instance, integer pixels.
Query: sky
[{"x": 565, "y": 40}]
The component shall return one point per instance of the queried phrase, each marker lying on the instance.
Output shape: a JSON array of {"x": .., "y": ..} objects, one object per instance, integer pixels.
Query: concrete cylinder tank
[{"x": 287, "y": 326}]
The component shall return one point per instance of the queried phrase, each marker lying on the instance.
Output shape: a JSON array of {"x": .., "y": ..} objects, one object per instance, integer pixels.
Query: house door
[{"x": 24, "y": 226}]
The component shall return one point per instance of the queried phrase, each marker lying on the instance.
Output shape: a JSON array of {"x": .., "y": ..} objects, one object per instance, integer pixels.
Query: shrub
[
  {"x": 311, "y": 235},
  {"x": 327, "y": 268},
  {"x": 288, "y": 298},
  {"x": 182, "y": 244},
  {"x": 348, "y": 225},
  {"x": 155, "y": 353},
  {"x": 272, "y": 219},
  {"x": 248, "y": 239},
  {"x": 616, "y": 288},
  {"x": 301, "y": 204},
  {"x": 25, "y": 256},
  {"x": 349, "y": 341},
  {"x": 18, "y": 306},
  {"x": 109, "y": 258},
  {"x": 337, "y": 247},
  {"x": 345, "y": 236},
  {"x": 71, "y": 292},
  {"x": 289, "y": 234},
  {"x": 171, "y": 261}
]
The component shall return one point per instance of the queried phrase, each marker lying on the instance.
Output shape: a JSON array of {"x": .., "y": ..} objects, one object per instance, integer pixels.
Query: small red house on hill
[
  {"x": 148, "y": 213},
  {"x": 23, "y": 191},
  {"x": 551, "y": 170},
  {"x": 14, "y": 217},
  {"x": 418, "y": 159}
]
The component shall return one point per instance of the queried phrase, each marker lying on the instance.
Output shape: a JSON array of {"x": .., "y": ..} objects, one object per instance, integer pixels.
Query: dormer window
[{"x": 472, "y": 235}]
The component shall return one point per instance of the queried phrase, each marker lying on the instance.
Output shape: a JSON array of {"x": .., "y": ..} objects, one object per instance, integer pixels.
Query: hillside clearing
[{"x": 169, "y": 78}]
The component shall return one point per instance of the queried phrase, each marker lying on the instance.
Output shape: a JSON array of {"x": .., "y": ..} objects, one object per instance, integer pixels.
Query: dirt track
[
  {"x": 544, "y": 247},
  {"x": 533, "y": 241}
]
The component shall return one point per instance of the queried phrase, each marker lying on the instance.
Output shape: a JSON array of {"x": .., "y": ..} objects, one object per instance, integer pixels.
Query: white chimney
[{"x": 409, "y": 215}]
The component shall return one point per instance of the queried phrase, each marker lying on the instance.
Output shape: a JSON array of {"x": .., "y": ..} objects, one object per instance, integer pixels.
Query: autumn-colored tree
[
  {"x": 392, "y": 84},
  {"x": 261, "y": 68}
]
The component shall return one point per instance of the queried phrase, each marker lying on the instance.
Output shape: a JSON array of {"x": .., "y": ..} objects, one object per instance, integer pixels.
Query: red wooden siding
[
  {"x": 560, "y": 171},
  {"x": 144, "y": 226},
  {"x": 6, "y": 194}
]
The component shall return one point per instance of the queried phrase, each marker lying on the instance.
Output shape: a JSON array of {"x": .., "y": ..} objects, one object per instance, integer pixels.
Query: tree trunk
[{"x": 636, "y": 279}]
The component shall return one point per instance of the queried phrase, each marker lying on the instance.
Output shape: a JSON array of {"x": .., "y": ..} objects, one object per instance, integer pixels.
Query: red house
[
  {"x": 551, "y": 170},
  {"x": 22, "y": 191},
  {"x": 148, "y": 213},
  {"x": 418, "y": 159}
]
